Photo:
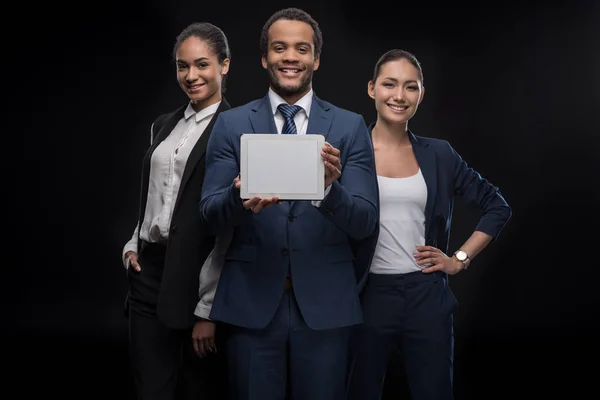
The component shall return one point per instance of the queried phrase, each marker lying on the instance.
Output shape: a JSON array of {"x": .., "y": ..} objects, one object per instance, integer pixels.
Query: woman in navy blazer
[{"x": 406, "y": 301}]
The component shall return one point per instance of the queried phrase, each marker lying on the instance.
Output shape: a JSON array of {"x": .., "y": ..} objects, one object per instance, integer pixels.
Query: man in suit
[{"x": 288, "y": 288}]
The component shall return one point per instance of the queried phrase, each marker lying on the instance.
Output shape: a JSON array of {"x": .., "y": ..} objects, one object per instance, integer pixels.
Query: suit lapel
[
  {"x": 261, "y": 119},
  {"x": 160, "y": 132},
  {"x": 199, "y": 151},
  {"x": 425, "y": 155},
  {"x": 319, "y": 122}
]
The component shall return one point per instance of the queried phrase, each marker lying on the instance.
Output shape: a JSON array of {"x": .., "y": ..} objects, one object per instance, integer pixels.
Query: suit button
[
  {"x": 174, "y": 229},
  {"x": 329, "y": 212},
  {"x": 291, "y": 217},
  {"x": 284, "y": 252}
]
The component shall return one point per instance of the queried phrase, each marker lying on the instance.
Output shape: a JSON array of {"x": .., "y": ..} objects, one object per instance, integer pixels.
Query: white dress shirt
[{"x": 300, "y": 119}]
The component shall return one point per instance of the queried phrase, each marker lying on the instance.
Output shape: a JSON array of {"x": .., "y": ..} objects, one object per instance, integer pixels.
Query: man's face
[{"x": 290, "y": 59}]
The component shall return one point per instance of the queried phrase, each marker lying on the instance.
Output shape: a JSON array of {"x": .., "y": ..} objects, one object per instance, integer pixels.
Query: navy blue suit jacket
[
  {"x": 446, "y": 175},
  {"x": 314, "y": 243}
]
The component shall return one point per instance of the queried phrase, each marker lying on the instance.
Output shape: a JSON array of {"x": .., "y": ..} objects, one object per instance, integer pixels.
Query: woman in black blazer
[
  {"x": 407, "y": 303},
  {"x": 172, "y": 341}
]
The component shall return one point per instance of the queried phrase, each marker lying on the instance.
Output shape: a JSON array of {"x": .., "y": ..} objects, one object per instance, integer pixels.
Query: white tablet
[{"x": 287, "y": 166}]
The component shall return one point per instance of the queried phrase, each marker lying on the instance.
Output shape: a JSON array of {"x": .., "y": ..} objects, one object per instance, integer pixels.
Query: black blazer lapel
[
  {"x": 199, "y": 151},
  {"x": 161, "y": 129},
  {"x": 425, "y": 155}
]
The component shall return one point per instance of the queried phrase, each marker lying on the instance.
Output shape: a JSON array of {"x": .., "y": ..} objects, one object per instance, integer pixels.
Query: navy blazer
[
  {"x": 314, "y": 243},
  {"x": 446, "y": 175}
]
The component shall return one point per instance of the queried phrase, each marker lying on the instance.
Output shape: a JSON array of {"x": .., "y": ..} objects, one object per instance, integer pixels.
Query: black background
[{"x": 514, "y": 86}]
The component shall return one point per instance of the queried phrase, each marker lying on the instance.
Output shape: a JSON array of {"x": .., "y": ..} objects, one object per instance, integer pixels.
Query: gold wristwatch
[{"x": 462, "y": 256}]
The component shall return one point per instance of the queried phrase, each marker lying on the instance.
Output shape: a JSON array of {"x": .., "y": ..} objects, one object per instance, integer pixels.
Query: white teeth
[
  {"x": 290, "y": 70},
  {"x": 399, "y": 108}
]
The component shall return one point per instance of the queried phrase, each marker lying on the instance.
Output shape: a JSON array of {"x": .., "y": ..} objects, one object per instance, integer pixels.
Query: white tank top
[{"x": 401, "y": 225}]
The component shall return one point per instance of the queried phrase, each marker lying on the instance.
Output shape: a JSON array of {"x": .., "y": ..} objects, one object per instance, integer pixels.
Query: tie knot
[{"x": 288, "y": 111}]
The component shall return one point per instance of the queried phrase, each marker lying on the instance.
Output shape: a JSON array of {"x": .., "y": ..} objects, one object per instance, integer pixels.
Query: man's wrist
[{"x": 318, "y": 203}]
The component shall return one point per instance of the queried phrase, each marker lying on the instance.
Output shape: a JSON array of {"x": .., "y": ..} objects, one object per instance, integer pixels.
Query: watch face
[{"x": 461, "y": 255}]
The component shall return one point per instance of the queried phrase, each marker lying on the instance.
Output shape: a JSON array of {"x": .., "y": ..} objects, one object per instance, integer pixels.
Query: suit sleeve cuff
[{"x": 317, "y": 203}]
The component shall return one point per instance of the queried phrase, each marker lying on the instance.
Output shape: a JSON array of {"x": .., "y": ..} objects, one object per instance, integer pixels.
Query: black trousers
[
  {"x": 163, "y": 361},
  {"x": 413, "y": 313}
]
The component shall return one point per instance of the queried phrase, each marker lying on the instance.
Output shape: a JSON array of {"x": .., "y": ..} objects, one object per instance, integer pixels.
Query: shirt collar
[
  {"x": 305, "y": 102},
  {"x": 200, "y": 115}
]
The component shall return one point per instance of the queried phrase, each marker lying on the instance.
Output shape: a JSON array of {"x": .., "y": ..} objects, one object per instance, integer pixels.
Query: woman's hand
[{"x": 439, "y": 260}]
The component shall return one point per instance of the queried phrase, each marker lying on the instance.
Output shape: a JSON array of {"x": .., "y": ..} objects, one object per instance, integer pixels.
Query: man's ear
[{"x": 263, "y": 61}]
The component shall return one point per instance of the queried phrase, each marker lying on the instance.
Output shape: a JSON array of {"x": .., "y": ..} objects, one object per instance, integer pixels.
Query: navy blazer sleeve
[
  {"x": 353, "y": 203},
  {"x": 477, "y": 191},
  {"x": 220, "y": 205}
]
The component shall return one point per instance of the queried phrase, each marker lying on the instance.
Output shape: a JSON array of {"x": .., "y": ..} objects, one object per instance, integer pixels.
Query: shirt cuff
[
  {"x": 202, "y": 311},
  {"x": 131, "y": 246},
  {"x": 317, "y": 203}
]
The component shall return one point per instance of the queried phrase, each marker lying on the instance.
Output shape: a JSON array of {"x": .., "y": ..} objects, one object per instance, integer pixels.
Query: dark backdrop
[{"x": 514, "y": 87}]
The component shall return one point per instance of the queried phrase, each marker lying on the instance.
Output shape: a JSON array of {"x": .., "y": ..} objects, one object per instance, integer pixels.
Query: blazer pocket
[{"x": 241, "y": 253}]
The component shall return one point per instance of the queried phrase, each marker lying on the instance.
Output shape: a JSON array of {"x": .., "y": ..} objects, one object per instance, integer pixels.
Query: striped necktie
[{"x": 288, "y": 112}]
